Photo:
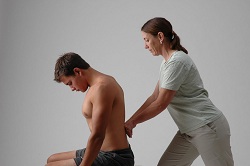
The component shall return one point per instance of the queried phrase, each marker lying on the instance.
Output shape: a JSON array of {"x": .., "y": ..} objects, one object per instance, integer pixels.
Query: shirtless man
[{"x": 104, "y": 110}]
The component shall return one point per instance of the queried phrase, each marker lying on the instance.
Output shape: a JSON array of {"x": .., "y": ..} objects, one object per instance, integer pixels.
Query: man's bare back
[{"x": 113, "y": 98}]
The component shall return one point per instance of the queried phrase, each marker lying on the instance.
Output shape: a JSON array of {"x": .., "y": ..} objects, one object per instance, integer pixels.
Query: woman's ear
[{"x": 160, "y": 36}]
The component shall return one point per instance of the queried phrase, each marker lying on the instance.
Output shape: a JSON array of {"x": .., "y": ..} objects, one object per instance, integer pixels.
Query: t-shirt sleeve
[{"x": 174, "y": 76}]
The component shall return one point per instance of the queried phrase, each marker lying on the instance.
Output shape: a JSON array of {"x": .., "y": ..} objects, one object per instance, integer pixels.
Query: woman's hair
[
  {"x": 66, "y": 63},
  {"x": 159, "y": 24}
]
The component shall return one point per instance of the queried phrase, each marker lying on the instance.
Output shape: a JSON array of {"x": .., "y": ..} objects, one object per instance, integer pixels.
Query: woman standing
[{"x": 203, "y": 129}]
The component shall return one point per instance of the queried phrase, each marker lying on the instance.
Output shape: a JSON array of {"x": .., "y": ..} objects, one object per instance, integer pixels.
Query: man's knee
[{"x": 51, "y": 158}]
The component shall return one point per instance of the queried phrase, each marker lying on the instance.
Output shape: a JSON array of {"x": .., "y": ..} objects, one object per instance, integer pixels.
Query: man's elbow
[{"x": 98, "y": 136}]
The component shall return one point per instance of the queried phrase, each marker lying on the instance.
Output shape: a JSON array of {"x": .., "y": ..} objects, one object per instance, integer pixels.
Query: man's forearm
[{"x": 93, "y": 147}]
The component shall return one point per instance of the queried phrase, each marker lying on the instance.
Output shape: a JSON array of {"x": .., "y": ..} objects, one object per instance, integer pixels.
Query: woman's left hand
[{"x": 129, "y": 125}]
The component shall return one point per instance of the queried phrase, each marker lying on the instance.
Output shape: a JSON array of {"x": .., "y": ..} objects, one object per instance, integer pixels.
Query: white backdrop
[{"x": 39, "y": 117}]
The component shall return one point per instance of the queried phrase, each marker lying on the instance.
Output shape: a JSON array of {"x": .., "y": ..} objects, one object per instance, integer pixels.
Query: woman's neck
[{"x": 167, "y": 54}]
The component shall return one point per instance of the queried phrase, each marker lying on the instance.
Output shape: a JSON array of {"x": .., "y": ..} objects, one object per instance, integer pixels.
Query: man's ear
[{"x": 77, "y": 71}]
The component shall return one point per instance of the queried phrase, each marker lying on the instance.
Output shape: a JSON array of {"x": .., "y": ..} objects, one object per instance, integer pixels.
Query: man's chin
[{"x": 84, "y": 90}]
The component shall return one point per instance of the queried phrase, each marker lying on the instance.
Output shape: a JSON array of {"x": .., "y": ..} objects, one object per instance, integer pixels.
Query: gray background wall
[{"x": 39, "y": 117}]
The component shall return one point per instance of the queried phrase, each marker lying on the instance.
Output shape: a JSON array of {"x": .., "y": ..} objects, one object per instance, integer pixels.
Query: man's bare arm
[{"x": 102, "y": 106}]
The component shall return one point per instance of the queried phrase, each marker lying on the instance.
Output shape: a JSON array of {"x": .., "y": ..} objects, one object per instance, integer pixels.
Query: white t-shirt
[{"x": 190, "y": 108}]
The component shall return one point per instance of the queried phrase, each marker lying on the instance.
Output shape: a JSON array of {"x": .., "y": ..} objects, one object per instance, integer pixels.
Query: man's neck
[{"x": 92, "y": 76}]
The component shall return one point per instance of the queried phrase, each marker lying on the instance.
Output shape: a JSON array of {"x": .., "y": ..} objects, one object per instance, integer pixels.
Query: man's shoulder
[{"x": 106, "y": 84}]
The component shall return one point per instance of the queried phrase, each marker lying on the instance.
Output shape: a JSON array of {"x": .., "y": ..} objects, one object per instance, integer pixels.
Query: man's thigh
[
  {"x": 179, "y": 152},
  {"x": 69, "y": 162},
  {"x": 62, "y": 156}
]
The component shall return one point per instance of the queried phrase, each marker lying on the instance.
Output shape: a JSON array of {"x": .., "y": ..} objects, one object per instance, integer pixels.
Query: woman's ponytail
[{"x": 176, "y": 43}]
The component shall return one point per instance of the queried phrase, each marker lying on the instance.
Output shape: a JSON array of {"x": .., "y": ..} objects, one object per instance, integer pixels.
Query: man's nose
[
  {"x": 145, "y": 46},
  {"x": 72, "y": 88}
]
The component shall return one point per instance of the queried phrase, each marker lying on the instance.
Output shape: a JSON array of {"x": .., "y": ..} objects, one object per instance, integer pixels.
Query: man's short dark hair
[{"x": 66, "y": 63}]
